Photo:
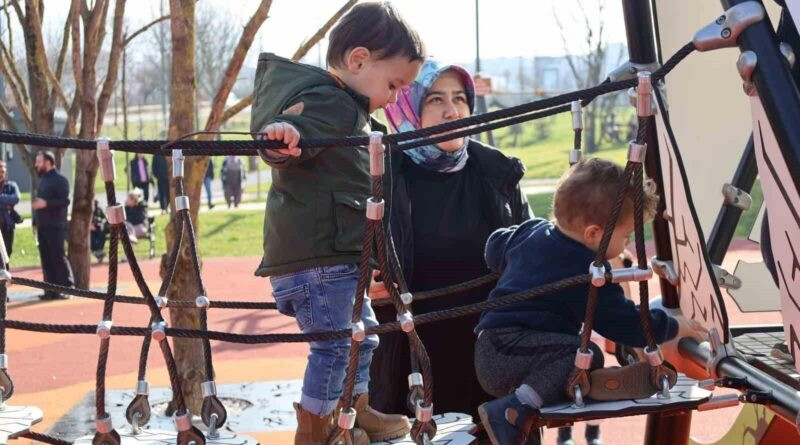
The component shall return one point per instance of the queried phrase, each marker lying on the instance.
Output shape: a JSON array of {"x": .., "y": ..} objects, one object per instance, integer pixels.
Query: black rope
[
  {"x": 206, "y": 148},
  {"x": 83, "y": 293},
  {"x": 32, "y": 435}
]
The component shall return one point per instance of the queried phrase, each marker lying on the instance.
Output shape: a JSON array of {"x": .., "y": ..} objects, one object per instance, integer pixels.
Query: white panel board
[
  {"x": 700, "y": 296},
  {"x": 783, "y": 202},
  {"x": 709, "y": 115}
]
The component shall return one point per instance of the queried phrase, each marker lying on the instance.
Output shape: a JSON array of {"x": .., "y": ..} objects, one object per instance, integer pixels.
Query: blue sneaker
[{"x": 506, "y": 420}]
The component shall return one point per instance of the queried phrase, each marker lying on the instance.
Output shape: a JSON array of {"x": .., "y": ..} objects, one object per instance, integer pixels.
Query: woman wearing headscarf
[{"x": 446, "y": 199}]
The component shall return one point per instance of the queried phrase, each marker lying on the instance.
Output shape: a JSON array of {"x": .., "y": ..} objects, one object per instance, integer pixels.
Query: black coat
[
  {"x": 160, "y": 170},
  {"x": 133, "y": 170},
  {"x": 452, "y": 343}
]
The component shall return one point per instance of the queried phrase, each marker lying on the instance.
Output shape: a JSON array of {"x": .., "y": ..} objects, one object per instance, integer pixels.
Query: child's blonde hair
[
  {"x": 586, "y": 193},
  {"x": 135, "y": 194}
]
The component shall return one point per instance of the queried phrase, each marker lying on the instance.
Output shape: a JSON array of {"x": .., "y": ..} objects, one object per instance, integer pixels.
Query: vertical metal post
[
  {"x": 642, "y": 50},
  {"x": 660, "y": 430}
]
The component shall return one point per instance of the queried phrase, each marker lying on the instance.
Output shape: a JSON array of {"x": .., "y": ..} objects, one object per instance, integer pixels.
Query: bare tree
[
  {"x": 35, "y": 100},
  {"x": 215, "y": 40},
  {"x": 588, "y": 67},
  {"x": 188, "y": 353}
]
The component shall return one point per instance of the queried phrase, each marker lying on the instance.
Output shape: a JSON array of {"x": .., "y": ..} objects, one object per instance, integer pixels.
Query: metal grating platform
[{"x": 757, "y": 347}]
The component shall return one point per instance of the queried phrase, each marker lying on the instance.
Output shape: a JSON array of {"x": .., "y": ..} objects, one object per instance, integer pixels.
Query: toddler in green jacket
[{"x": 315, "y": 216}]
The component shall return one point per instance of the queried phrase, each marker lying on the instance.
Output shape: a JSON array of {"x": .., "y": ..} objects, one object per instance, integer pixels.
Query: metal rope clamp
[
  {"x": 5, "y": 275},
  {"x": 724, "y": 31},
  {"x": 407, "y": 298},
  {"x": 631, "y": 274},
  {"x": 416, "y": 390},
  {"x": 106, "y": 157},
  {"x": 213, "y": 411},
  {"x": 104, "y": 425},
  {"x": 106, "y": 435},
  {"x": 202, "y": 302},
  {"x": 358, "y": 332},
  {"x": 347, "y": 419},
  {"x": 654, "y": 358},
  {"x": 583, "y": 360},
  {"x": 376, "y": 149},
  {"x": 406, "y": 321},
  {"x": 104, "y": 329},
  {"x": 159, "y": 329},
  {"x": 574, "y": 156},
  {"x": 746, "y": 65},
  {"x": 177, "y": 163},
  {"x": 181, "y": 203},
  {"x": 423, "y": 413},
  {"x": 577, "y": 115},
  {"x": 161, "y": 301},
  {"x": 636, "y": 152},
  {"x": 415, "y": 379},
  {"x": 187, "y": 433},
  {"x": 116, "y": 214},
  {"x": 644, "y": 94},
  {"x": 375, "y": 209},
  {"x": 598, "y": 274}
]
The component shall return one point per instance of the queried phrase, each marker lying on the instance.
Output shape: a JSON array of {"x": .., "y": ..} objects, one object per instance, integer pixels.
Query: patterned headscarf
[{"x": 405, "y": 116}]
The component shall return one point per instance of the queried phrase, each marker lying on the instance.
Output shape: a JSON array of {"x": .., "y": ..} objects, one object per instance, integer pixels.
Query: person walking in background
[
  {"x": 161, "y": 174},
  {"x": 98, "y": 232},
  {"x": 50, "y": 216},
  {"x": 207, "y": 181},
  {"x": 233, "y": 175},
  {"x": 140, "y": 175},
  {"x": 9, "y": 218},
  {"x": 136, "y": 216}
]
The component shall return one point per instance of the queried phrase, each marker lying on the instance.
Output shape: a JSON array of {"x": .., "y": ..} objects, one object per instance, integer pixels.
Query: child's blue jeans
[{"x": 321, "y": 300}]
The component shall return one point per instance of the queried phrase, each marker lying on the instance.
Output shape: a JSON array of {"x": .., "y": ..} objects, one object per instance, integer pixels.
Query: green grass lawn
[
  {"x": 229, "y": 233},
  {"x": 238, "y": 232}
]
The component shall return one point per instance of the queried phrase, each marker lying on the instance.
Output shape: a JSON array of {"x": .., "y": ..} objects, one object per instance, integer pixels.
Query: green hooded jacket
[{"x": 315, "y": 213}]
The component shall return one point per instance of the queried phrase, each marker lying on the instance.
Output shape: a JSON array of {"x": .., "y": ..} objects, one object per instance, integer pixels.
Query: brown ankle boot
[
  {"x": 314, "y": 430},
  {"x": 379, "y": 426}
]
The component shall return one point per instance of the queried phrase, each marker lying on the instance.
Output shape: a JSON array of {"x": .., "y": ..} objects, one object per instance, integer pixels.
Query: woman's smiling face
[{"x": 445, "y": 101}]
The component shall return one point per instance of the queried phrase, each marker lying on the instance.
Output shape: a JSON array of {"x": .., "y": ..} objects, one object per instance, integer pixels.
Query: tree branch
[
  {"x": 235, "y": 109},
  {"x": 308, "y": 44},
  {"x": 62, "y": 56},
  {"x": 235, "y": 64},
  {"x": 15, "y": 91},
  {"x": 117, "y": 43},
  {"x": 301, "y": 51},
  {"x": 77, "y": 71},
  {"x": 15, "y": 79},
  {"x": 144, "y": 29}
]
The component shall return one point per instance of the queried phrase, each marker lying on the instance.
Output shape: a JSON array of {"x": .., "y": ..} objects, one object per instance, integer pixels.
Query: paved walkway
[{"x": 56, "y": 372}]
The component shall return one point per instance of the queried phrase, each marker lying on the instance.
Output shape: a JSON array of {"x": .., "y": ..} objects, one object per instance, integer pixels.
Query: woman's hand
[{"x": 377, "y": 288}]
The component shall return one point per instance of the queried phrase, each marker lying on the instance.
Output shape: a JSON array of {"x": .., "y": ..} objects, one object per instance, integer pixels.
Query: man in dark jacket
[
  {"x": 140, "y": 175},
  {"x": 161, "y": 174},
  {"x": 9, "y": 197},
  {"x": 50, "y": 213}
]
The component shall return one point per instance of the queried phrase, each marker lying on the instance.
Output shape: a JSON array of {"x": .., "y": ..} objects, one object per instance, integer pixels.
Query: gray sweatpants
[{"x": 508, "y": 357}]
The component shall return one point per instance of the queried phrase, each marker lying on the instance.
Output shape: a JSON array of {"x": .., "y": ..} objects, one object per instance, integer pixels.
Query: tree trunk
[
  {"x": 188, "y": 352},
  {"x": 86, "y": 163}
]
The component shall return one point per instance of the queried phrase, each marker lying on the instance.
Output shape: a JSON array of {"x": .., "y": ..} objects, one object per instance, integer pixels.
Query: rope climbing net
[{"x": 377, "y": 243}]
